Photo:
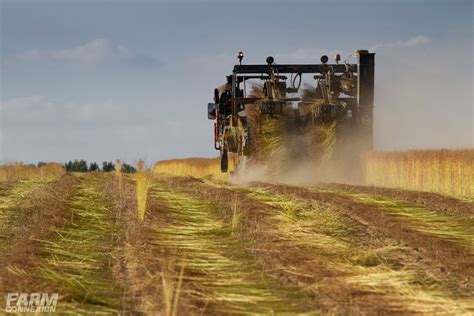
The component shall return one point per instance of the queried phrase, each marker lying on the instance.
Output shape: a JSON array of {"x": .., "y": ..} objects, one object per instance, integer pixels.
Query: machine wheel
[{"x": 224, "y": 160}]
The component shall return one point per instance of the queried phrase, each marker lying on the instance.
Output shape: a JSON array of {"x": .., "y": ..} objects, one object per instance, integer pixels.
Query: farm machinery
[{"x": 339, "y": 97}]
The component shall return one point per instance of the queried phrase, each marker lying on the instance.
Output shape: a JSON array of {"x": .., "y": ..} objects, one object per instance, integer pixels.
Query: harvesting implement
[{"x": 343, "y": 93}]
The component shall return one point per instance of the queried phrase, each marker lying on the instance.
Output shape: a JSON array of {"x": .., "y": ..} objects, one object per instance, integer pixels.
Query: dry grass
[
  {"x": 20, "y": 171},
  {"x": 142, "y": 184},
  {"x": 171, "y": 288},
  {"x": 118, "y": 168},
  {"x": 448, "y": 172},
  {"x": 194, "y": 167}
]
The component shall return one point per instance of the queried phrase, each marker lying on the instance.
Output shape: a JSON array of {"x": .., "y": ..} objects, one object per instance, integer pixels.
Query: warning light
[{"x": 240, "y": 56}]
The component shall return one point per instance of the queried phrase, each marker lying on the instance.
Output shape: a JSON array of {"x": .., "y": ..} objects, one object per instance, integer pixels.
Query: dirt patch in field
[
  {"x": 46, "y": 211},
  {"x": 452, "y": 258},
  {"x": 443, "y": 204}
]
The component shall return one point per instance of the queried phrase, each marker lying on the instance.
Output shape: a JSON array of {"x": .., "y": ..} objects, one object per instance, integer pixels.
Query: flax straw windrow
[
  {"x": 220, "y": 274},
  {"x": 321, "y": 137},
  {"x": 77, "y": 258},
  {"x": 278, "y": 139}
]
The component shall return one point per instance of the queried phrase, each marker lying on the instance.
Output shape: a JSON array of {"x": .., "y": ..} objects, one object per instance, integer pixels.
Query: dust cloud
[{"x": 285, "y": 167}]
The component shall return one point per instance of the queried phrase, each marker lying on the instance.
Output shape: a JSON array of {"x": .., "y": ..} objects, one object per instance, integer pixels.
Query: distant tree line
[{"x": 107, "y": 166}]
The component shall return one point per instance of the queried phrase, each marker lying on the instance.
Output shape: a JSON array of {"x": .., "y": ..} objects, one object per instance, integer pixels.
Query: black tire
[{"x": 224, "y": 161}]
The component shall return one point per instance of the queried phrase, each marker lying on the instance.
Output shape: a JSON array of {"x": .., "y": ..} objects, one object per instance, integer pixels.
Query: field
[
  {"x": 440, "y": 171},
  {"x": 112, "y": 243}
]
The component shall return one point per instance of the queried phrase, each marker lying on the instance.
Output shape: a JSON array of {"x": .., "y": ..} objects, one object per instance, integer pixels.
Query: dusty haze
[{"x": 427, "y": 102}]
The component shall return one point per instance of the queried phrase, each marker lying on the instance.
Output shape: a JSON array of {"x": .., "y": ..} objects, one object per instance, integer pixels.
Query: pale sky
[{"x": 106, "y": 80}]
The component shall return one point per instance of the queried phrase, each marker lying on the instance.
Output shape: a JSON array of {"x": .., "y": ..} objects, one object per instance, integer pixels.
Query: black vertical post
[{"x": 365, "y": 99}]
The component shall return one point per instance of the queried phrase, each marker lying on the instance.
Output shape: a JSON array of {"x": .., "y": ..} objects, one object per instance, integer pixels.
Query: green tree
[
  {"x": 126, "y": 168},
  {"x": 93, "y": 167},
  {"x": 68, "y": 166},
  {"x": 82, "y": 166},
  {"x": 76, "y": 166},
  {"x": 108, "y": 166}
]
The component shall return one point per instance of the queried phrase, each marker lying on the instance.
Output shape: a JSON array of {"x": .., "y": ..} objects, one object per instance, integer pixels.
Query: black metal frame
[{"x": 288, "y": 69}]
